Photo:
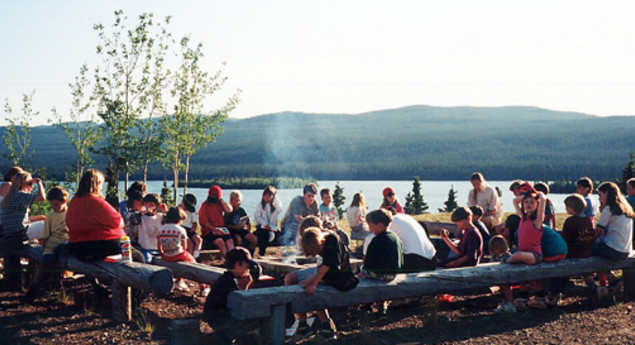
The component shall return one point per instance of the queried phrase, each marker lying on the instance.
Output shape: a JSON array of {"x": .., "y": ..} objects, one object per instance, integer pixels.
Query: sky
[{"x": 350, "y": 56}]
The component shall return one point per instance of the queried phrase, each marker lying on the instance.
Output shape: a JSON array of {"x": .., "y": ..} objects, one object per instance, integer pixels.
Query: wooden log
[
  {"x": 210, "y": 254},
  {"x": 191, "y": 270},
  {"x": 185, "y": 332},
  {"x": 121, "y": 302},
  {"x": 258, "y": 302},
  {"x": 278, "y": 315},
  {"x": 435, "y": 228},
  {"x": 137, "y": 275}
]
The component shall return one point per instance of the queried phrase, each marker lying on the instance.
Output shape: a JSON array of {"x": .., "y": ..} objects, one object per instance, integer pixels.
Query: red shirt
[
  {"x": 210, "y": 213},
  {"x": 91, "y": 218},
  {"x": 529, "y": 237}
]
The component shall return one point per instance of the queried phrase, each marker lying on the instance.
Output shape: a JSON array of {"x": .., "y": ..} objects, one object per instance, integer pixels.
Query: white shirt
[
  {"x": 190, "y": 219},
  {"x": 412, "y": 235},
  {"x": 149, "y": 230},
  {"x": 618, "y": 230},
  {"x": 171, "y": 237},
  {"x": 264, "y": 216}
]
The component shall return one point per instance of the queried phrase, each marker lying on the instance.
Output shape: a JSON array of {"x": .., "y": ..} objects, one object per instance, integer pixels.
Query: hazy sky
[{"x": 352, "y": 56}]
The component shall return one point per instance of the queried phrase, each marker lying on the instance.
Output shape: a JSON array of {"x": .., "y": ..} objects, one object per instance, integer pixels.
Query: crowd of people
[{"x": 392, "y": 242}]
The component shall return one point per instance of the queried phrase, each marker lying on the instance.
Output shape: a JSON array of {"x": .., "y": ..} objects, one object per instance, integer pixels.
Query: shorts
[
  {"x": 602, "y": 249},
  {"x": 242, "y": 233},
  {"x": 417, "y": 263},
  {"x": 555, "y": 258},
  {"x": 208, "y": 241},
  {"x": 538, "y": 256},
  {"x": 305, "y": 273},
  {"x": 184, "y": 256}
]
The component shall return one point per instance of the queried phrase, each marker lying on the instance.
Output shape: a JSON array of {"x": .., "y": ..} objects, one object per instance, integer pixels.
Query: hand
[
  {"x": 542, "y": 196},
  {"x": 445, "y": 233},
  {"x": 309, "y": 289},
  {"x": 450, "y": 264}
]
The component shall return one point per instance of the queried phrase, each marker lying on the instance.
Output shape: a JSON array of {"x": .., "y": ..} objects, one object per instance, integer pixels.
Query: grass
[{"x": 142, "y": 320}]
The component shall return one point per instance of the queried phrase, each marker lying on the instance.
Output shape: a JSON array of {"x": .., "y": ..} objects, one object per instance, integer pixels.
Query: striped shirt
[{"x": 15, "y": 215}]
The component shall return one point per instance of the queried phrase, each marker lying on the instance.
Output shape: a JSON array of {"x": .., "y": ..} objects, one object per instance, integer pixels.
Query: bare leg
[{"x": 522, "y": 258}]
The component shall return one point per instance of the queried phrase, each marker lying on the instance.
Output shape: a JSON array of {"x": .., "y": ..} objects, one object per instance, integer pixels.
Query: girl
[
  {"x": 266, "y": 218},
  {"x": 615, "y": 223},
  {"x": 355, "y": 216},
  {"x": 390, "y": 201}
]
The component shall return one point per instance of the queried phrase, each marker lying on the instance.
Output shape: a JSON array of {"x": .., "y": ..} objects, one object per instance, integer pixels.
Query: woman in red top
[{"x": 94, "y": 226}]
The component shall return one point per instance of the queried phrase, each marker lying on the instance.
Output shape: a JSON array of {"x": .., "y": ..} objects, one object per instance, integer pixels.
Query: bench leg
[
  {"x": 628, "y": 275},
  {"x": 121, "y": 302},
  {"x": 278, "y": 316}
]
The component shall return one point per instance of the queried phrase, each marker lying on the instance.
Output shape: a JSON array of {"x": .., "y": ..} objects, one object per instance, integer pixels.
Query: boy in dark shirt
[
  {"x": 237, "y": 277},
  {"x": 384, "y": 256},
  {"x": 237, "y": 222},
  {"x": 470, "y": 249},
  {"x": 578, "y": 229},
  {"x": 477, "y": 213},
  {"x": 333, "y": 268}
]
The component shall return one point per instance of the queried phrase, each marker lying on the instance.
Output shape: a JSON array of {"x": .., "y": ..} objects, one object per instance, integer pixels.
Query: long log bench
[
  {"x": 275, "y": 302},
  {"x": 122, "y": 275}
]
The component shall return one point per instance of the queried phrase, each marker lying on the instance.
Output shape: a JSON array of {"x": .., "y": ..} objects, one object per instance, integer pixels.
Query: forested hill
[{"x": 430, "y": 142}]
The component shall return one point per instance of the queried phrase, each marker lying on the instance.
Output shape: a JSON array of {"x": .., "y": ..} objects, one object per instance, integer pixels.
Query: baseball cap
[{"x": 388, "y": 191}]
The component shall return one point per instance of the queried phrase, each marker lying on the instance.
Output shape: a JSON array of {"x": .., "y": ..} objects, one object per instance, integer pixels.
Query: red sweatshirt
[{"x": 91, "y": 218}]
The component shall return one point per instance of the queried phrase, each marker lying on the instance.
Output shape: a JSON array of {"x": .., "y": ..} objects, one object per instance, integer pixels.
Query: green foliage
[
  {"x": 252, "y": 182},
  {"x": 82, "y": 131},
  {"x": 17, "y": 135},
  {"x": 414, "y": 199},
  {"x": 166, "y": 194},
  {"x": 339, "y": 199},
  {"x": 450, "y": 204},
  {"x": 628, "y": 172}
]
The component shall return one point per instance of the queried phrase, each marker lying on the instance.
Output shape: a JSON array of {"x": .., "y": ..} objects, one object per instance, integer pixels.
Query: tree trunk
[
  {"x": 175, "y": 171},
  {"x": 187, "y": 172}
]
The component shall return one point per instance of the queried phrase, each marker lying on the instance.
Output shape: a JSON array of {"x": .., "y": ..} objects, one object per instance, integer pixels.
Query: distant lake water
[{"x": 435, "y": 193}]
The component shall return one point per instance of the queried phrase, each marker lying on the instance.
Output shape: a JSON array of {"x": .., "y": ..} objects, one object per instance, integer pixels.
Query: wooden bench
[
  {"x": 122, "y": 275},
  {"x": 275, "y": 302}
]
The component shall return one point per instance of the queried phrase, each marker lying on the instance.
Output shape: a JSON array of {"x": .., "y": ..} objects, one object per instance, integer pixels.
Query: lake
[{"x": 435, "y": 193}]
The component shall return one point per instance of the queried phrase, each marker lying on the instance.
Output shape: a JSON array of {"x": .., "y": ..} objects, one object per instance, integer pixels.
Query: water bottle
[{"x": 126, "y": 249}]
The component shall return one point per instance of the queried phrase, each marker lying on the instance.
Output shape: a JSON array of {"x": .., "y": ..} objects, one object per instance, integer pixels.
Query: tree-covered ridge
[{"x": 430, "y": 142}]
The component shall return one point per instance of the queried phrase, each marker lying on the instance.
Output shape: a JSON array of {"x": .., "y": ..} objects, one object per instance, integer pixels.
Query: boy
[
  {"x": 470, "y": 248},
  {"x": 477, "y": 213},
  {"x": 514, "y": 187},
  {"x": 238, "y": 223},
  {"x": 550, "y": 211},
  {"x": 150, "y": 224},
  {"x": 584, "y": 187},
  {"x": 384, "y": 256},
  {"x": 333, "y": 269},
  {"x": 55, "y": 233},
  {"x": 578, "y": 230},
  {"x": 237, "y": 277},
  {"x": 328, "y": 212},
  {"x": 190, "y": 224}
]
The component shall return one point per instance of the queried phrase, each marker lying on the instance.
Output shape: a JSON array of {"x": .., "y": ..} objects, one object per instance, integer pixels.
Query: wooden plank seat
[{"x": 275, "y": 302}]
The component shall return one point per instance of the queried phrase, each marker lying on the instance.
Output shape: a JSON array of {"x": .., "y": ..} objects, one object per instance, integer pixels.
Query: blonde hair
[
  {"x": 235, "y": 194},
  {"x": 19, "y": 181},
  {"x": 91, "y": 183},
  {"x": 311, "y": 241}
]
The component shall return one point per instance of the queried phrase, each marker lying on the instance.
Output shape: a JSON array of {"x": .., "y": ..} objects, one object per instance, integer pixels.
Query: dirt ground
[{"x": 80, "y": 314}]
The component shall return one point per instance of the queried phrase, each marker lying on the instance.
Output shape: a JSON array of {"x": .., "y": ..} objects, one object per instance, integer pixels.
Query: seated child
[
  {"x": 470, "y": 249},
  {"x": 498, "y": 248},
  {"x": 355, "y": 216},
  {"x": 190, "y": 224},
  {"x": 238, "y": 223},
  {"x": 151, "y": 221},
  {"x": 211, "y": 216},
  {"x": 384, "y": 256},
  {"x": 550, "y": 211},
  {"x": 266, "y": 219},
  {"x": 584, "y": 187},
  {"x": 578, "y": 230},
  {"x": 328, "y": 212},
  {"x": 238, "y": 277},
  {"x": 477, "y": 213},
  {"x": 55, "y": 233},
  {"x": 333, "y": 269}
]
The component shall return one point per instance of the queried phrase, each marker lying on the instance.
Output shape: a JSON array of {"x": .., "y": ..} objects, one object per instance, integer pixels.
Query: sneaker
[
  {"x": 182, "y": 286},
  {"x": 303, "y": 331},
  {"x": 505, "y": 307},
  {"x": 552, "y": 300},
  {"x": 205, "y": 292},
  {"x": 327, "y": 330},
  {"x": 520, "y": 304},
  {"x": 537, "y": 303}
]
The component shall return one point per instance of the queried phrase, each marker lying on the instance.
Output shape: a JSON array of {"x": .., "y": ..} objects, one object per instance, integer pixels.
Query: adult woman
[
  {"x": 486, "y": 197},
  {"x": 94, "y": 226},
  {"x": 14, "y": 217}
]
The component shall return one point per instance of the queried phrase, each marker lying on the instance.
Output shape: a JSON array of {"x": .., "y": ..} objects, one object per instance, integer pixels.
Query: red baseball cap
[
  {"x": 388, "y": 190},
  {"x": 215, "y": 192}
]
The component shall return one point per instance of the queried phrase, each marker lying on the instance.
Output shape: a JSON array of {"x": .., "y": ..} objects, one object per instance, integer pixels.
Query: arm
[
  {"x": 519, "y": 210},
  {"x": 458, "y": 261},
  {"x": 444, "y": 236},
  {"x": 159, "y": 246},
  {"x": 41, "y": 192},
  {"x": 492, "y": 205},
  {"x": 273, "y": 219},
  {"x": 540, "y": 215},
  {"x": 226, "y": 207},
  {"x": 311, "y": 283}
]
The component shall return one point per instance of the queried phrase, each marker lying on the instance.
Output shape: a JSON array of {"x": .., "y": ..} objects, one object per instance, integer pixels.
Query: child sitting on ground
[
  {"x": 477, "y": 213},
  {"x": 238, "y": 223},
  {"x": 237, "y": 277},
  {"x": 55, "y": 233},
  {"x": 384, "y": 256},
  {"x": 150, "y": 223},
  {"x": 470, "y": 249},
  {"x": 190, "y": 224}
]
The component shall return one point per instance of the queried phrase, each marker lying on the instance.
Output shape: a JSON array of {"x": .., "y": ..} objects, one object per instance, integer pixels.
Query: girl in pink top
[{"x": 530, "y": 206}]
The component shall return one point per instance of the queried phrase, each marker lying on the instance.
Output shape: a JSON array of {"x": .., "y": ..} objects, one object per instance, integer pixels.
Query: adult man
[{"x": 300, "y": 207}]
